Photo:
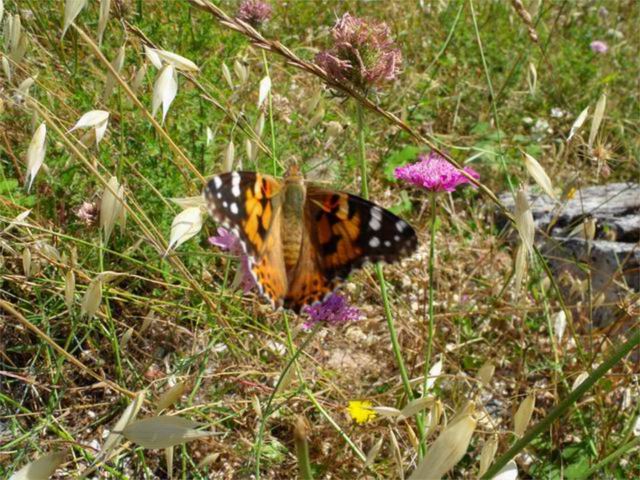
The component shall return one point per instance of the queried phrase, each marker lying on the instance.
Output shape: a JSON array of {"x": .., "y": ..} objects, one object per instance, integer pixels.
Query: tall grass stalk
[
  {"x": 573, "y": 397},
  {"x": 267, "y": 411}
]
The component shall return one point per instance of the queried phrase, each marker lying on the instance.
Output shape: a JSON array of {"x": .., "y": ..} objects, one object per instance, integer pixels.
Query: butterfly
[{"x": 302, "y": 240}]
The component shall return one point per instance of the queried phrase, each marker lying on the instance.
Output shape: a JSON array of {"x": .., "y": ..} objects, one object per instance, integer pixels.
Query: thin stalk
[
  {"x": 267, "y": 410},
  {"x": 364, "y": 189},
  {"x": 619, "y": 353},
  {"x": 274, "y": 158},
  {"x": 395, "y": 344},
  {"x": 617, "y": 453},
  {"x": 432, "y": 258}
]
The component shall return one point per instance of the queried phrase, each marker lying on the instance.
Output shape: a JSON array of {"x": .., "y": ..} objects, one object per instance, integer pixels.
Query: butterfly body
[{"x": 301, "y": 239}]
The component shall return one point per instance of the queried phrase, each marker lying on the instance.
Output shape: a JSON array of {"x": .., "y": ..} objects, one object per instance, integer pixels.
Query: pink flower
[
  {"x": 228, "y": 241},
  {"x": 434, "y": 173},
  {"x": 254, "y": 12},
  {"x": 334, "y": 310},
  {"x": 598, "y": 46},
  {"x": 363, "y": 53},
  {"x": 88, "y": 213}
]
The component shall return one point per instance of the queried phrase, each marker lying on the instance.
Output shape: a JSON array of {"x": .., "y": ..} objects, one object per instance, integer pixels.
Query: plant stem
[
  {"x": 364, "y": 189},
  {"x": 267, "y": 410},
  {"x": 274, "y": 158},
  {"x": 610, "y": 458},
  {"x": 432, "y": 258},
  {"x": 564, "y": 405}
]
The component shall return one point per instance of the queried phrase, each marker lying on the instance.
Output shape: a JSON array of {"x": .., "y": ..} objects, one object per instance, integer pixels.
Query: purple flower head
[
  {"x": 254, "y": 12},
  {"x": 334, "y": 310},
  {"x": 228, "y": 241},
  {"x": 363, "y": 53},
  {"x": 598, "y": 46},
  {"x": 434, "y": 173}
]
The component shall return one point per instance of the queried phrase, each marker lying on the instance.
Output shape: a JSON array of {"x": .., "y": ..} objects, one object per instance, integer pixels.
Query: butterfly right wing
[{"x": 248, "y": 203}]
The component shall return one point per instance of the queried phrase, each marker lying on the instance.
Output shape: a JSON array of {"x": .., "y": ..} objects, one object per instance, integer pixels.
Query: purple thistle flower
[
  {"x": 254, "y": 12},
  {"x": 229, "y": 242},
  {"x": 598, "y": 46},
  {"x": 334, "y": 310},
  {"x": 434, "y": 173},
  {"x": 363, "y": 53},
  {"x": 88, "y": 213}
]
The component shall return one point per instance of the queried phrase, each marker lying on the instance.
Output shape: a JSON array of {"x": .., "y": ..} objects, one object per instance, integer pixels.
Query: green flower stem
[
  {"x": 432, "y": 258},
  {"x": 395, "y": 344},
  {"x": 267, "y": 410},
  {"x": 610, "y": 458},
  {"x": 364, "y": 190},
  {"x": 274, "y": 158},
  {"x": 564, "y": 405}
]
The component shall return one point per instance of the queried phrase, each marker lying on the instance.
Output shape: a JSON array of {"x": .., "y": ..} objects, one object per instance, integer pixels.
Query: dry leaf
[
  {"x": 226, "y": 73},
  {"x": 139, "y": 78},
  {"x": 598, "y": 115},
  {"x": 241, "y": 71},
  {"x": 168, "y": 456},
  {"x": 229, "y": 156},
  {"x": 524, "y": 220},
  {"x": 523, "y": 415},
  {"x": 559, "y": 324},
  {"x": 171, "y": 396},
  {"x": 72, "y": 9},
  {"x": 387, "y": 412},
  {"x": 164, "y": 90},
  {"x": 103, "y": 19},
  {"x": 539, "y": 175},
  {"x": 265, "y": 88},
  {"x": 26, "y": 262},
  {"x": 415, "y": 406},
  {"x": 95, "y": 119},
  {"x": 42, "y": 468},
  {"x": 112, "y": 207},
  {"x": 578, "y": 123},
  {"x": 188, "y": 202},
  {"x": 92, "y": 298},
  {"x": 434, "y": 373},
  {"x": 487, "y": 454},
  {"x": 163, "y": 431},
  {"x": 179, "y": 62},
  {"x": 69, "y": 288},
  {"x": 153, "y": 57},
  {"x": 117, "y": 64},
  {"x": 373, "y": 452},
  {"x": 579, "y": 379},
  {"x": 129, "y": 414},
  {"x": 35, "y": 154},
  {"x": 447, "y": 450},
  {"x": 6, "y": 68},
  {"x": 485, "y": 373},
  {"x": 532, "y": 78},
  {"x": 185, "y": 225}
]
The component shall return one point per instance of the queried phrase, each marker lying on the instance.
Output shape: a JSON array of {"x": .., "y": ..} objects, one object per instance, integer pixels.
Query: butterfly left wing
[
  {"x": 249, "y": 204},
  {"x": 348, "y": 231}
]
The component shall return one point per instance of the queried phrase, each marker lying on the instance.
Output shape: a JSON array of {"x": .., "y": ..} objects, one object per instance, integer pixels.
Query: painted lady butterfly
[{"x": 302, "y": 239}]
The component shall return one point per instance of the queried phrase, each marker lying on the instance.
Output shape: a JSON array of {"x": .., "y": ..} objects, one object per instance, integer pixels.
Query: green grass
[{"x": 163, "y": 321}]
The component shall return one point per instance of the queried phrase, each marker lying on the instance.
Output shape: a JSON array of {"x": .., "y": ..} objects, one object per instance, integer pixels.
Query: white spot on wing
[
  {"x": 234, "y": 208},
  {"x": 225, "y": 204},
  {"x": 396, "y": 238},
  {"x": 374, "y": 242},
  {"x": 387, "y": 243},
  {"x": 235, "y": 184},
  {"x": 217, "y": 182},
  {"x": 401, "y": 225}
]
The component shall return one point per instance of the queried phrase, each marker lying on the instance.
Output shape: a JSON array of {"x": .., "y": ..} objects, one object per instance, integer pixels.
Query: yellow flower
[{"x": 361, "y": 412}]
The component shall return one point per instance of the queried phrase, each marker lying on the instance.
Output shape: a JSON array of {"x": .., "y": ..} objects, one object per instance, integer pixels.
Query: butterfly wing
[
  {"x": 348, "y": 231},
  {"x": 249, "y": 204}
]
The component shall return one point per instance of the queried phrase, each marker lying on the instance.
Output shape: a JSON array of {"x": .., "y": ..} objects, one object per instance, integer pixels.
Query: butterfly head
[{"x": 293, "y": 174}]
